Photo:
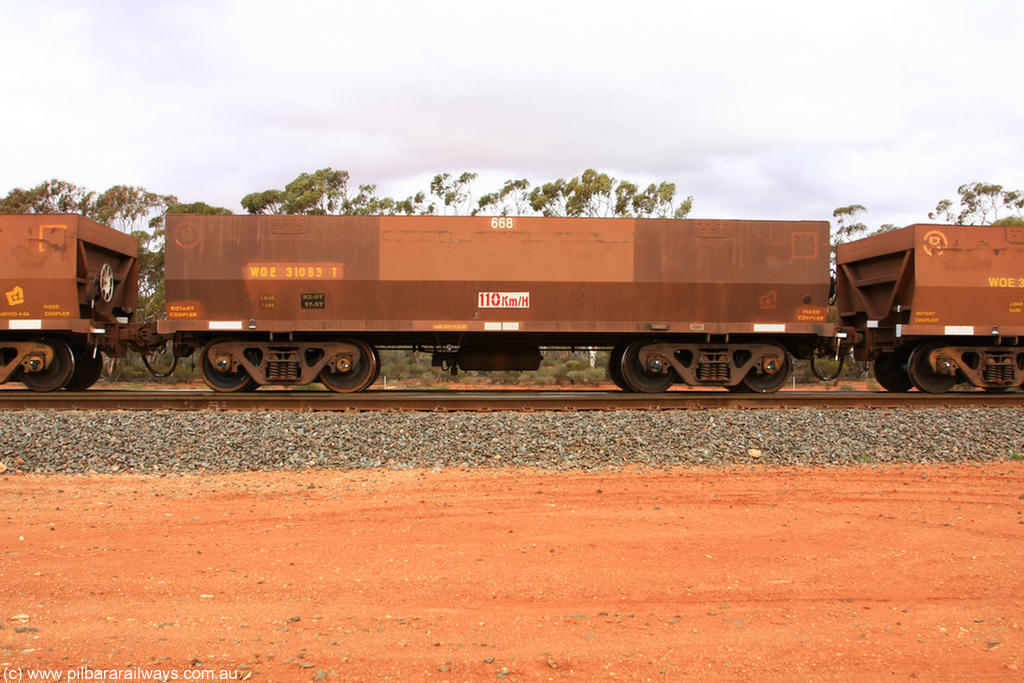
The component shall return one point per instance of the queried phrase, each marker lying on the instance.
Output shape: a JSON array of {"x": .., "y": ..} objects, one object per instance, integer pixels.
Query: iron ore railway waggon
[
  {"x": 291, "y": 300},
  {"x": 70, "y": 286},
  {"x": 294, "y": 299},
  {"x": 936, "y": 305}
]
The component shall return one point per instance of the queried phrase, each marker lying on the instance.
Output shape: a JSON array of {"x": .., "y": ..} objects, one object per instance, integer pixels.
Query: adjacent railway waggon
[
  {"x": 70, "y": 287},
  {"x": 291, "y": 300},
  {"x": 936, "y": 305}
]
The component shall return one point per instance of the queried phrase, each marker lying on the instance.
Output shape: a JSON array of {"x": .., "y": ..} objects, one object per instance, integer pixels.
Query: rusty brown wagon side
[
  {"x": 295, "y": 299},
  {"x": 934, "y": 305},
  {"x": 69, "y": 288}
]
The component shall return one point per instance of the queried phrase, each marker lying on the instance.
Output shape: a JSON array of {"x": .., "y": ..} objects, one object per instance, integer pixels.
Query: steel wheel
[
  {"x": 615, "y": 368},
  {"x": 638, "y": 378},
  {"x": 59, "y": 372},
  {"x": 922, "y": 375},
  {"x": 218, "y": 380},
  {"x": 768, "y": 382},
  {"x": 376, "y": 372},
  {"x": 891, "y": 372},
  {"x": 360, "y": 374},
  {"x": 88, "y": 369}
]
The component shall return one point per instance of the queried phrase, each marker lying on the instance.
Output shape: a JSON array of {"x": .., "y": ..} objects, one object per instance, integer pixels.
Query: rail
[{"x": 485, "y": 401}]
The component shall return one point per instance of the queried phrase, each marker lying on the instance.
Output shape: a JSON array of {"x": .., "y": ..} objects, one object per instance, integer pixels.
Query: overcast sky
[{"x": 758, "y": 109}]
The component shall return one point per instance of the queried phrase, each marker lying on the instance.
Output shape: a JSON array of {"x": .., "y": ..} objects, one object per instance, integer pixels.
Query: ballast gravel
[{"x": 212, "y": 441}]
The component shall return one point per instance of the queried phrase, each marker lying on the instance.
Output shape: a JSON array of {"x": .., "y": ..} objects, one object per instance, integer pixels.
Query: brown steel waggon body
[
  {"x": 68, "y": 288},
  {"x": 297, "y": 299},
  {"x": 934, "y": 305}
]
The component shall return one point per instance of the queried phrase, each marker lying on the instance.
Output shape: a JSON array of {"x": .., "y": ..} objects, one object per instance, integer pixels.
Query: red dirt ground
[{"x": 858, "y": 574}]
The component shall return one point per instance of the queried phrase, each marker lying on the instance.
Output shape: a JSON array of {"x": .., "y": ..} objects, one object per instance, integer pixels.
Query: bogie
[
  {"x": 652, "y": 367},
  {"x": 344, "y": 365},
  {"x": 935, "y": 367}
]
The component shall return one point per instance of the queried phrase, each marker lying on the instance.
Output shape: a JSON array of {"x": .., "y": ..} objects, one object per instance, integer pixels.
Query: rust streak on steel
[{"x": 483, "y": 401}]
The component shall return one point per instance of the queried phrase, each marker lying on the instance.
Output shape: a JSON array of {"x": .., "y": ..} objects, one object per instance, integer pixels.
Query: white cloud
[{"x": 759, "y": 109}]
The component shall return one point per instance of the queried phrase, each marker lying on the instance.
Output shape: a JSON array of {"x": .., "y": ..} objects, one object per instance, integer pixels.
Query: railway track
[{"x": 484, "y": 401}]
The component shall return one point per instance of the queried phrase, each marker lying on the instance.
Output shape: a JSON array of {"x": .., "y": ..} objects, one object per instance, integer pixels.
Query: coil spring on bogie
[
  {"x": 998, "y": 369},
  {"x": 713, "y": 368},
  {"x": 282, "y": 370}
]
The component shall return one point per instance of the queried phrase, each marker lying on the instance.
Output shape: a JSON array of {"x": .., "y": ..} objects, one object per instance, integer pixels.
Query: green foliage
[
  {"x": 318, "y": 193},
  {"x": 625, "y": 198},
  {"x": 849, "y": 225},
  {"x": 123, "y": 207},
  {"x": 326, "y": 191},
  {"x": 684, "y": 208},
  {"x": 131, "y": 368},
  {"x": 590, "y": 194},
  {"x": 565, "y": 368},
  {"x": 513, "y": 198},
  {"x": 593, "y": 193},
  {"x": 656, "y": 200},
  {"x": 454, "y": 193},
  {"x": 130, "y": 209},
  {"x": 151, "y": 275},
  {"x": 199, "y": 208},
  {"x": 979, "y": 204},
  {"x": 322, "y": 192},
  {"x": 268, "y": 201},
  {"x": 549, "y": 199},
  {"x": 414, "y": 205},
  {"x": 848, "y": 220},
  {"x": 50, "y": 196},
  {"x": 1010, "y": 220},
  {"x": 559, "y": 368},
  {"x": 853, "y": 371}
]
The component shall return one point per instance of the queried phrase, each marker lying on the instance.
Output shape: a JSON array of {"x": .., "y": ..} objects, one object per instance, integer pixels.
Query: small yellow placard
[
  {"x": 182, "y": 311},
  {"x": 15, "y": 297},
  {"x": 811, "y": 314},
  {"x": 925, "y": 317}
]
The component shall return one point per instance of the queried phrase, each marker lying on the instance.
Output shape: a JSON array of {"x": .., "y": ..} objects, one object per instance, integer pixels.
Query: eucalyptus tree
[
  {"x": 512, "y": 199},
  {"x": 979, "y": 204},
  {"x": 324, "y": 191},
  {"x": 453, "y": 192}
]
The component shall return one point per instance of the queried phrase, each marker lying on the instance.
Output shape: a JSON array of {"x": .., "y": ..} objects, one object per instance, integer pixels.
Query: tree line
[
  {"x": 976, "y": 204},
  {"x": 328, "y": 191},
  {"x": 590, "y": 194}
]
